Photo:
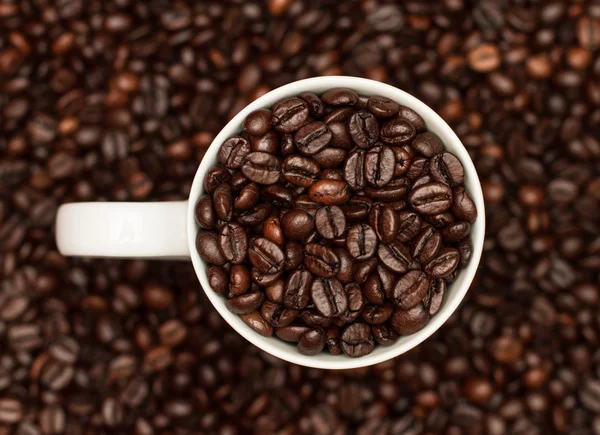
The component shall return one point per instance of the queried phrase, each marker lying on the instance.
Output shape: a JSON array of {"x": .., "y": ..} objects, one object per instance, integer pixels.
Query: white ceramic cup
[{"x": 167, "y": 230}]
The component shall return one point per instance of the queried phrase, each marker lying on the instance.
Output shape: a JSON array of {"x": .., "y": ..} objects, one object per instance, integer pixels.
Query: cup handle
[{"x": 123, "y": 229}]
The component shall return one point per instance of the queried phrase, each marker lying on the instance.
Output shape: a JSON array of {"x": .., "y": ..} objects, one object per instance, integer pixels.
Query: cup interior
[{"x": 455, "y": 292}]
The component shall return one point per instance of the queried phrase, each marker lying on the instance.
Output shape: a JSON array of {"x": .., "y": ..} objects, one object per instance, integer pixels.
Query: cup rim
[{"x": 466, "y": 276}]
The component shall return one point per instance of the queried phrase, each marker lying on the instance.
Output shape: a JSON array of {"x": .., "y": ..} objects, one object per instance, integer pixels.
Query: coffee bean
[
  {"x": 463, "y": 206},
  {"x": 233, "y": 152},
  {"x": 338, "y": 114},
  {"x": 65, "y": 350},
  {"x": 294, "y": 255},
  {"x": 300, "y": 170},
  {"x": 465, "y": 248},
  {"x": 444, "y": 264},
  {"x": 215, "y": 177},
  {"x": 277, "y": 315},
  {"x": 292, "y": 333},
  {"x": 363, "y": 129},
  {"x": 354, "y": 169},
  {"x": 222, "y": 202},
  {"x": 361, "y": 241},
  {"x": 297, "y": 289},
  {"x": 406, "y": 322},
  {"x": 409, "y": 227},
  {"x": 297, "y": 224},
  {"x": 395, "y": 256},
  {"x": 329, "y": 158},
  {"x": 397, "y": 131},
  {"x": 321, "y": 260},
  {"x": 172, "y": 332},
  {"x": 276, "y": 194},
  {"x": 315, "y": 320},
  {"x": 265, "y": 255},
  {"x": 340, "y": 97},
  {"x": 384, "y": 335},
  {"x": 257, "y": 123},
  {"x": 312, "y": 137},
  {"x": 245, "y": 303},
  {"x": 382, "y": 107},
  {"x": 332, "y": 340},
  {"x": 255, "y": 321},
  {"x": 433, "y": 198},
  {"x": 329, "y": 192},
  {"x": 312, "y": 342},
  {"x": 204, "y": 212},
  {"x": 377, "y": 314},
  {"x": 413, "y": 117},
  {"x": 437, "y": 289},
  {"x": 340, "y": 137},
  {"x": 428, "y": 144},
  {"x": 373, "y": 290},
  {"x": 356, "y": 302},
  {"x": 329, "y": 297},
  {"x": 395, "y": 190},
  {"x": 267, "y": 143},
  {"x": 357, "y": 340},
  {"x": 315, "y": 105},
  {"x": 254, "y": 216},
  {"x": 411, "y": 289},
  {"x": 403, "y": 161},
  {"x": 345, "y": 273},
  {"x": 330, "y": 222},
  {"x": 272, "y": 230},
  {"x": 207, "y": 245},
  {"x": 357, "y": 208},
  {"x": 11, "y": 411},
  {"x": 446, "y": 168},
  {"x": 418, "y": 166},
  {"x": 264, "y": 279},
  {"x": 384, "y": 220},
  {"x": 233, "y": 242},
  {"x": 363, "y": 269},
  {"x": 247, "y": 198},
  {"x": 262, "y": 168},
  {"x": 426, "y": 245},
  {"x": 289, "y": 114},
  {"x": 455, "y": 232},
  {"x": 380, "y": 163}
]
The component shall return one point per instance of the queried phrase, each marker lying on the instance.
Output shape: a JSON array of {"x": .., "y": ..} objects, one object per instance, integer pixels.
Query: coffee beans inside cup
[{"x": 335, "y": 222}]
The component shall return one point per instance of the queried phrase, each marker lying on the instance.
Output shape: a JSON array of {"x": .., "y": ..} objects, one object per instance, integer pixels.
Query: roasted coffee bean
[
  {"x": 239, "y": 279},
  {"x": 363, "y": 269},
  {"x": 373, "y": 290},
  {"x": 444, "y": 264},
  {"x": 11, "y": 411},
  {"x": 440, "y": 220},
  {"x": 409, "y": 227},
  {"x": 292, "y": 333},
  {"x": 274, "y": 292},
  {"x": 340, "y": 137},
  {"x": 427, "y": 144},
  {"x": 332, "y": 340},
  {"x": 357, "y": 340},
  {"x": 257, "y": 123},
  {"x": 267, "y": 143},
  {"x": 361, "y": 241},
  {"x": 433, "y": 198},
  {"x": 204, "y": 212},
  {"x": 215, "y": 177},
  {"x": 403, "y": 161},
  {"x": 406, "y": 322},
  {"x": 329, "y": 297},
  {"x": 413, "y": 117},
  {"x": 354, "y": 169},
  {"x": 395, "y": 256},
  {"x": 426, "y": 245},
  {"x": 382, "y": 107},
  {"x": 356, "y": 302},
  {"x": 411, "y": 289},
  {"x": 380, "y": 164},
  {"x": 330, "y": 222},
  {"x": 384, "y": 335},
  {"x": 455, "y": 232},
  {"x": 465, "y": 248},
  {"x": 437, "y": 289},
  {"x": 312, "y": 342},
  {"x": 297, "y": 289},
  {"x": 321, "y": 260},
  {"x": 247, "y": 198},
  {"x": 329, "y": 157},
  {"x": 254, "y": 216},
  {"x": 265, "y": 255},
  {"x": 233, "y": 242},
  {"x": 315, "y": 105},
  {"x": 233, "y": 152},
  {"x": 357, "y": 208},
  {"x": 294, "y": 255},
  {"x": 297, "y": 224},
  {"x": 387, "y": 278},
  {"x": 207, "y": 245},
  {"x": 363, "y": 129},
  {"x": 340, "y": 97},
  {"x": 397, "y": 131},
  {"x": 314, "y": 319},
  {"x": 289, "y": 114},
  {"x": 395, "y": 190},
  {"x": 332, "y": 174},
  {"x": 245, "y": 303},
  {"x": 463, "y": 206},
  {"x": 446, "y": 168},
  {"x": 329, "y": 192},
  {"x": 312, "y": 137},
  {"x": 277, "y": 315},
  {"x": 256, "y": 321},
  {"x": 418, "y": 166},
  {"x": 384, "y": 220},
  {"x": 272, "y": 230},
  {"x": 223, "y": 202},
  {"x": 338, "y": 114},
  {"x": 377, "y": 314},
  {"x": 346, "y": 269},
  {"x": 300, "y": 170},
  {"x": 276, "y": 194},
  {"x": 262, "y": 168}
]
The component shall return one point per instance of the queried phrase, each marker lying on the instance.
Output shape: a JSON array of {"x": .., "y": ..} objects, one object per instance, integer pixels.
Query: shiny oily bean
[
  {"x": 263, "y": 279},
  {"x": 245, "y": 303},
  {"x": 289, "y": 114},
  {"x": 444, "y": 264},
  {"x": 330, "y": 157},
  {"x": 292, "y": 333},
  {"x": 382, "y": 107},
  {"x": 354, "y": 169},
  {"x": 437, "y": 289},
  {"x": 380, "y": 165},
  {"x": 330, "y": 222},
  {"x": 465, "y": 248},
  {"x": 384, "y": 335},
  {"x": 357, "y": 340},
  {"x": 223, "y": 202},
  {"x": 262, "y": 168},
  {"x": 272, "y": 230},
  {"x": 332, "y": 340},
  {"x": 255, "y": 216},
  {"x": 265, "y": 255},
  {"x": 395, "y": 190},
  {"x": 300, "y": 170},
  {"x": 312, "y": 137},
  {"x": 321, "y": 260},
  {"x": 294, "y": 255},
  {"x": 345, "y": 273},
  {"x": 357, "y": 208},
  {"x": 340, "y": 137},
  {"x": 385, "y": 221},
  {"x": 277, "y": 315},
  {"x": 297, "y": 286},
  {"x": 215, "y": 177},
  {"x": 387, "y": 278},
  {"x": 446, "y": 168},
  {"x": 463, "y": 206},
  {"x": 277, "y": 195},
  {"x": 455, "y": 232},
  {"x": 395, "y": 256},
  {"x": 413, "y": 117},
  {"x": 356, "y": 302},
  {"x": 363, "y": 129},
  {"x": 329, "y": 297},
  {"x": 256, "y": 321},
  {"x": 409, "y": 227},
  {"x": 373, "y": 290},
  {"x": 427, "y": 144},
  {"x": 363, "y": 269},
  {"x": 218, "y": 279},
  {"x": 403, "y": 161},
  {"x": 411, "y": 289},
  {"x": 315, "y": 105},
  {"x": 233, "y": 152},
  {"x": 204, "y": 212},
  {"x": 406, "y": 322},
  {"x": 427, "y": 245},
  {"x": 339, "y": 114},
  {"x": 274, "y": 292},
  {"x": 233, "y": 241},
  {"x": 247, "y": 198},
  {"x": 267, "y": 143},
  {"x": 332, "y": 174},
  {"x": 239, "y": 279},
  {"x": 316, "y": 320},
  {"x": 311, "y": 342},
  {"x": 397, "y": 131},
  {"x": 361, "y": 241},
  {"x": 297, "y": 224},
  {"x": 377, "y": 314},
  {"x": 258, "y": 122},
  {"x": 431, "y": 199},
  {"x": 207, "y": 245},
  {"x": 329, "y": 192},
  {"x": 340, "y": 97},
  {"x": 440, "y": 220}
]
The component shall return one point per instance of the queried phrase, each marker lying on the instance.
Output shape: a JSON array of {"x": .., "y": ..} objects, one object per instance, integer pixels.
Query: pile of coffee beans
[
  {"x": 335, "y": 221},
  {"x": 118, "y": 100}
]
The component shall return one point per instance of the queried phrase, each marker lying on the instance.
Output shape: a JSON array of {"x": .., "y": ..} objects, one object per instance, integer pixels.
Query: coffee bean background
[{"x": 118, "y": 100}]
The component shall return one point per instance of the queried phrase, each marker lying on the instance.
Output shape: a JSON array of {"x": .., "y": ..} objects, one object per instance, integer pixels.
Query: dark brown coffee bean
[
  {"x": 215, "y": 177},
  {"x": 338, "y": 114},
  {"x": 304, "y": 202},
  {"x": 340, "y": 97},
  {"x": 444, "y": 264},
  {"x": 361, "y": 241},
  {"x": 292, "y": 333},
  {"x": 395, "y": 190},
  {"x": 332, "y": 340},
  {"x": 223, "y": 202},
  {"x": 294, "y": 255},
  {"x": 329, "y": 297},
  {"x": 418, "y": 166},
  {"x": 276, "y": 194},
  {"x": 463, "y": 206},
  {"x": 363, "y": 269},
  {"x": 257, "y": 323},
  {"x": 321, "y": 260},
  {"x": 384, "y": 220},
  {"x": 329, "y": 192},
  {"x": 387, "y": 278},
  {"x": 455, "y": 232},
  {"x": 274, "y": 292},
  {"x": 172, "y": 332},
  {"x": 411, "y": 289},
  {"x": 403, "y": 161},
  {"x": 257, "y": 123},
  {"x": 377, "y": 314},
  {"x": 247, "y": 198},
  {"x": 423, "y": 179},
  {"x": 395, "y": 256},
  {"x": 315, "y": 320},
  {"x": 239, "y": 279},
  {"x": 297, "y": 224},
  {"x": 384, "y": 335},
  {"x": 413, "y": 117},
  {"x": 397, "y": 131},
  {"x": 265, "y": 255},
  {"x": 354, "y": 169},
  {"x": 446, "y": 168},
  {"x": 432, "y": 198},
  {"x": 330, "y": 222},
  {"x": 406, "y": 322},
  {"x": 65, "y": 350},
  {"x": 233, "y": 152},
  {"x": 277, "y": 315},
  {"x": 297, "y": 289},
  {"x": 315, "y": 105},
  {"x": 11, "y": 411},
  {"x": 357, "y": 340},
  {"x": 356, "y": 302},
  {"x": 440, "y": 220},
  {"x": 345, "y": 273},
  {"x": 205, "y": 213},
  {"x": 312, "y": 342},
  {"x": 245, "y": 303},
  {"x": 233, "y": 242},
  {"x": 207, "y": 245},
  {"x": 426, "y": 245},
  {"x": 428, "y": 144},
  {"x": 272, "y": 230},
  {"x": 267, "y": 143},
  {"x": 382, "y": 107},
  {"x": 437, "y": 289},
  {"x": 264, "y": 279},
  {"x": 340, "y": 137},
  {"x": 409, "y": 227},
  {"x": 329, "y": 157},
  {"x": 300, "y": 170},
  {"x": 312, "y": 137},
  {"x": 289, "y": 114},
  {"x": 357, "y": 208},
  {"x": 255, "y": 216},
  {"x": 465, "y": 248},
  {"x": 380, "y": 164},
  {"x": 373, "y": 290},
  {"x": 262, "y": 168},
  {"x": 363, "y": 129}
]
